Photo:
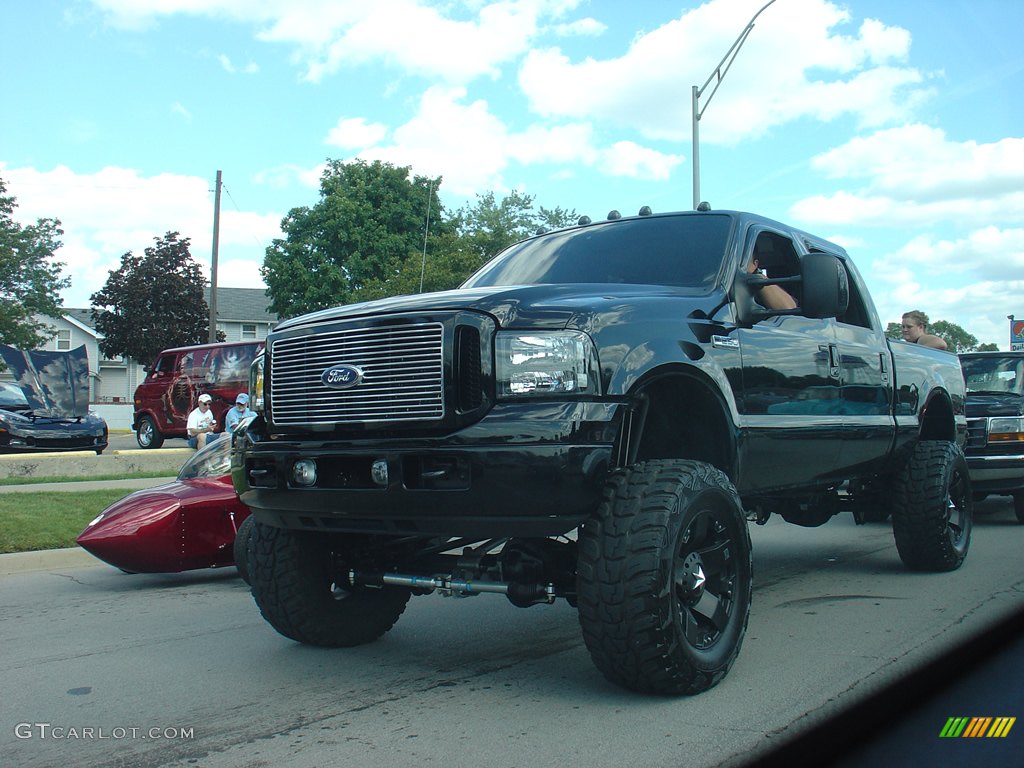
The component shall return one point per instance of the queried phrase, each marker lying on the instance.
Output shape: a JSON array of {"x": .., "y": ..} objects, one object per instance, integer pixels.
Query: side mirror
[{"x": 826, "y": 287}]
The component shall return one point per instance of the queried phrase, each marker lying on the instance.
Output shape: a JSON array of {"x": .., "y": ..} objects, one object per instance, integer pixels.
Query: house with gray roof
[{"x": 242, "y": 315}]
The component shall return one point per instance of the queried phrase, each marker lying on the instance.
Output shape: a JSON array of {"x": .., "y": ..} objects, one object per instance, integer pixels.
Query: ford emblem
[{"x": 341, "y": 376}]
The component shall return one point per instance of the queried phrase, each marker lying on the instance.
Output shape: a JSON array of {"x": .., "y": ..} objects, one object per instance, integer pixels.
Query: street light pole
[
  {"x": 717, "y": 75},
  {"x": 213, "y": 262}
]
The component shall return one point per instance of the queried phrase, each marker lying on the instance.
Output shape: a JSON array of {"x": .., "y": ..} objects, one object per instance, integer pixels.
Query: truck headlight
[
  {"x": 1004, "y": 429},
  {"x": 545, "y": 363},
  {"x": 256, "y": 384}
]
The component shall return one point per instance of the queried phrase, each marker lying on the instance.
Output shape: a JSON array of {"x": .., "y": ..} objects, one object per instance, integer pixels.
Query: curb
[
  {"x": 84, "y": 465},
  {"x": 46, "y": 560}
]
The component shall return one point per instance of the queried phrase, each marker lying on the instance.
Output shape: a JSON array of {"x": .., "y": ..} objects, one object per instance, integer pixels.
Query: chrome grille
[
  {"x": 403, "y": 375},
  {"x": 977, "y": 433}
]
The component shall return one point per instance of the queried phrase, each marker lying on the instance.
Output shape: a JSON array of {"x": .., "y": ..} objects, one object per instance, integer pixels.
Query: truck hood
[
  {"x": 534, "y": 306},
  {"x": 994, "y": 404},
  {"x": 56, "y": 384}
]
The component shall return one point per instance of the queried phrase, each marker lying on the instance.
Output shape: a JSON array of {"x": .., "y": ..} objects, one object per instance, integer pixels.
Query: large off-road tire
[
  {"x": 148, "y": 435},
  {"x": 933, "y": 509},
  {"x": 1018, "y": 506},
  {"x": 241, "y": 546},
  {"x": 664, "y": 578},
  {"x": 293, "y": 583}
]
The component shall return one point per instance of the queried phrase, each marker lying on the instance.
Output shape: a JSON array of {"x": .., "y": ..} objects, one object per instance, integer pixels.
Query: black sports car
[
  {"x": 22, "y": 430},
  {"x": 46, "y": 408}
]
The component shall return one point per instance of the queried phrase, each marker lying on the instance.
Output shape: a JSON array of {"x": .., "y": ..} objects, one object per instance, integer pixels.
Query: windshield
[
  {"x": 994, "y": 374},
  {"x": 214, "y": 460},
  {"x": 12, "y": 398},
  {"x": 679, "y": 250}
]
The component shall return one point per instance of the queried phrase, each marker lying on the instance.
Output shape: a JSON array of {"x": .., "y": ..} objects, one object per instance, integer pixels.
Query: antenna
[{"x": 426, "y": 229}]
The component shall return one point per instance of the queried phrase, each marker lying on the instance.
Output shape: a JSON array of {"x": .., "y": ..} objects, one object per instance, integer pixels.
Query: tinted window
[
  {"x": 684, "y": 250},
  {"x": 165, "y": 365}
]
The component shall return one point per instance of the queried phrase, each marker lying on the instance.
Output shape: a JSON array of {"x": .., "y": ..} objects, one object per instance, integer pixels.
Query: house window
[
  {"x": 248, "y": 331},
  {"x": 63, "y": 340}
]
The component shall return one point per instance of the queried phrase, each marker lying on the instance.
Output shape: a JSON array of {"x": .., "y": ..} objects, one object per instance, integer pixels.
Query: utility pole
[
  {"x": 717, "y": 75},
  {"x": 213, "y": 268}
]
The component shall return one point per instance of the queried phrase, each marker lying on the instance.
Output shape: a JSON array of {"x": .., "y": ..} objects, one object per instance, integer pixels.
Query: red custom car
[{"x": 187, "y": 524}]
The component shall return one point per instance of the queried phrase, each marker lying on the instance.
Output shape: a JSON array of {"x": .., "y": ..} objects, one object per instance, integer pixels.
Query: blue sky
[{"x": 893, "y": 128}]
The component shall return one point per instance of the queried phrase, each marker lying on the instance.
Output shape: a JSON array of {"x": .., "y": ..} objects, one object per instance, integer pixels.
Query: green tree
[
  {"x": 366, "y": 231},
  {"x": 474, "y": 234},
  {"x": 987, "y": 347},
  {"x": 30, "y": 278},
  {"x": 489, "y": 226},
  {"x": 152, "y": 302},
  {"x": 957, "y": 339}
]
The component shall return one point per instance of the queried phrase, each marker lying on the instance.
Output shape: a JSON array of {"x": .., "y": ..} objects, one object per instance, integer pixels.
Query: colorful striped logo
[{"x": 977, "y": 727}]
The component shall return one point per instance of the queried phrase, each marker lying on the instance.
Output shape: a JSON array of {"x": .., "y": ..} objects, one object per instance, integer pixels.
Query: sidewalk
[
  {"x": 88, "y": 485},
  {"x": 47, "y": 560}
]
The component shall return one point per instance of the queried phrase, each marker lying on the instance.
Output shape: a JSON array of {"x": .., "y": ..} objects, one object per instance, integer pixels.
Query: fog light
[
  {"x": 379, "y": 472},
  {"x": 304, "y": 472}
]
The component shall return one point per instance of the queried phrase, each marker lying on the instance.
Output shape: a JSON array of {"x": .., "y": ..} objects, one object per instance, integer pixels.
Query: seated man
[
  {"x": 236, "y": 414},
  {"x": 770, "y": 296},
  {"x": 201, "y": 423}
]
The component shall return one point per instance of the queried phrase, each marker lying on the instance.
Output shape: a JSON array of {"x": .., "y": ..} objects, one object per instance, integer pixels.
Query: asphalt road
[{"x": 477, "y": 682}]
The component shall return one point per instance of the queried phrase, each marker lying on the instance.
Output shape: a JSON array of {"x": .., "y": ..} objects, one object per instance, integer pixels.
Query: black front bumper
[
  {"x": 55, "y": 436},
  {"x": 526, "y": 469}
]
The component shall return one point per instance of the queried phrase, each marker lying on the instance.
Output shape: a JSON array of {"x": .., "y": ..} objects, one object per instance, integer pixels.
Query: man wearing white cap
[
  {"x": 236, "y": 414},
  {"x": 201, "y": 423}
]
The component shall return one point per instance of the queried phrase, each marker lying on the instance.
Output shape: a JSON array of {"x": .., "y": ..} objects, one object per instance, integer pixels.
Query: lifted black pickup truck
[
  {"x": 595, "y": 415},
  {"x": 995, "y": 424}
]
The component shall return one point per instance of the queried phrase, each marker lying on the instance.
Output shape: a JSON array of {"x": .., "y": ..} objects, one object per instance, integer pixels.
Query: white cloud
[
  {"x": 919, "y": 162},
  {"x": 988, "y": 254},
  {"x": 794, "y": 64},
  {"x": 455, "y": 43},
  {"x": 971, "y": 280},
  {"x": 115, "y": 210},
  {"x": 473, "y": 148},
  {"x": 249, "y": 69},
  {"x": 961, "y": 202},
  {"x": 625, "y": 158},
  {"x": 979, "y": 308},
  {"x": 463, "y": 142},
  {"x": 419, "y": 39},
  {"x": 914, "y": 175},
  {"x": 587, "y": 27},
  {"x": 283, "y": 176},
  {"x": 356, "y": 133},
  {"x": 179, "y": 109}
]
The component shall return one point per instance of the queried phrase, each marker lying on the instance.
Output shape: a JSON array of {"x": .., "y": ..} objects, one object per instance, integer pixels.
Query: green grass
[
  {"x": 50, "y": 519},
  {"x": 65, "y": 479}
]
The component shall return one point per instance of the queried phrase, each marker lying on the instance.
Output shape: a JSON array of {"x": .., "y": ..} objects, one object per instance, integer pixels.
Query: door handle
[{"x": 833, "y": 359}]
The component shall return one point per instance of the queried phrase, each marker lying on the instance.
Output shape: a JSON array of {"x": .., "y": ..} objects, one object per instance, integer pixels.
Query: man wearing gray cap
[{"x": 236, "y": 414}]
